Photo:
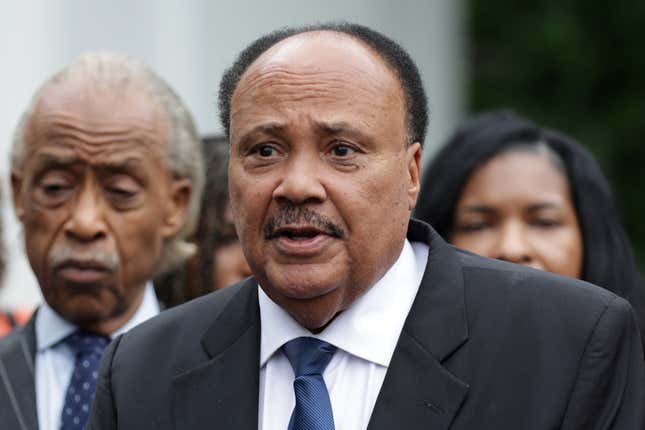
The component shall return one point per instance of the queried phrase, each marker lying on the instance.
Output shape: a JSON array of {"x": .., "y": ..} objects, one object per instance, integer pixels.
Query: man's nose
[
  {"x": 86, "y": 222},
  {"x": 513, "y": 245},
  {"x": 300, "y": 181}
]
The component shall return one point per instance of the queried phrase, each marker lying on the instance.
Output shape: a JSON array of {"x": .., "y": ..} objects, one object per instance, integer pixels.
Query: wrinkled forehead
[
  {"x": 91, "y": 113},
  {"x": 92, "y": 102},
  {"x": 332, "y": 62}
]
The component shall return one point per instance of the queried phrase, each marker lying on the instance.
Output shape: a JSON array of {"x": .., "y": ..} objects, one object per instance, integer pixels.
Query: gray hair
[{"x": 184, "y": 157}]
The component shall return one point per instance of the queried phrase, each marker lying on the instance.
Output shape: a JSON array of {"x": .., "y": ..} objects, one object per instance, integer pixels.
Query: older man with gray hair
[{"x": 106, "y": 174}]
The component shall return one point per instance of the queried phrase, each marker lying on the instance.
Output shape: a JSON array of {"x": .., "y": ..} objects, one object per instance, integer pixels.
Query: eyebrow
[
  {"x": 338, "y": 127},
  {"x": 271, "y": 128},
  {"x": 546, "y": 205},
  {"x": 277, "y": 129},
  {"x": 478, "y": 209},
  {"x": 129, "y": 164},
  {"x": 484, "y": 209},
  {"x": 50, "y": 161}
]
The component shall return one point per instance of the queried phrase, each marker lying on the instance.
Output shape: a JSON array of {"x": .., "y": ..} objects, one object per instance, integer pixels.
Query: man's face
[
  {"x": 96, "y": 200},
  {"x": 320, "y": 177}
]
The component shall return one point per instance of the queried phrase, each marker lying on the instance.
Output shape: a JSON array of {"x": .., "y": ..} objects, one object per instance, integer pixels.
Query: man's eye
[
  {"x": 342, "y": 150},
  {"x": 55, "y": 188},
  {"x": 53, "y": 191},
  {"x": 121, "y": 193},
  {"x": 265, "y": 151}
]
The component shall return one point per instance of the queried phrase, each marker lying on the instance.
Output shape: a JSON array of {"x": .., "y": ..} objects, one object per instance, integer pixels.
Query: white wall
[{"x": 190, "y": 43}]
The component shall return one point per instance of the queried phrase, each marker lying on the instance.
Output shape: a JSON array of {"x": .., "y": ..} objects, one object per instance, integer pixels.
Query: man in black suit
[
  {"x": 106, "y": 179},
  {"x": 358, "y": 317}
]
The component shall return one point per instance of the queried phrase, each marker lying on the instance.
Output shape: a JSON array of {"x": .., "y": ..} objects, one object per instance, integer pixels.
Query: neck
[{"x": 107, "y": 326}]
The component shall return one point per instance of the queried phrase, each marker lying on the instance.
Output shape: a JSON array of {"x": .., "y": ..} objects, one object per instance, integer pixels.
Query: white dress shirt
[
  {"x": 365, "y": 334},
  {"x": 55, "y": 360}
]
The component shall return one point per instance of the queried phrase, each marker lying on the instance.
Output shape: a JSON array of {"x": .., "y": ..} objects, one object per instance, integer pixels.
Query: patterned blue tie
[
  {"x": 88, "y": 349},
  {"x": 309, "y": 357}
]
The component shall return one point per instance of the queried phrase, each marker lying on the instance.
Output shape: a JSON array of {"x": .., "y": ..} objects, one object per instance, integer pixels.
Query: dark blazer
[
  {"x": 17, "y": 387},
  {"x": 487, "y": 345}
]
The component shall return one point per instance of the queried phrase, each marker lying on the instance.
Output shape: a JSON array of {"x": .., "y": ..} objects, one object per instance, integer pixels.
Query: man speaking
[{"x": 358, "y": 317}]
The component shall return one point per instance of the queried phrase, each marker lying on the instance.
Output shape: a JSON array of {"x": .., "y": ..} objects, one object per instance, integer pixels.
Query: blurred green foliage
[{"x": 577, "y": 66}]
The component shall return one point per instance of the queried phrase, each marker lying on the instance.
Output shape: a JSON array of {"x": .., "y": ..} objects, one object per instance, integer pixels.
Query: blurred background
[
  {"x": 564, "y": 63},
  {"x": 574, "y": 65}
]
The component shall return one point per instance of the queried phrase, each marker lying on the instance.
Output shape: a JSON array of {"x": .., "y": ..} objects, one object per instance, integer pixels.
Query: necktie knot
[
  {"x": 85, "y": 343},
  {"x": 308, "y": 356}
]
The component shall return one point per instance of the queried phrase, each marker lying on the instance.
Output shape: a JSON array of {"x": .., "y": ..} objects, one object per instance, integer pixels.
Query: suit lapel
[
  {"x": 224, "y": 388},
  {"x": 17, "y": 376},
  {"x": 418, "y": 391}
]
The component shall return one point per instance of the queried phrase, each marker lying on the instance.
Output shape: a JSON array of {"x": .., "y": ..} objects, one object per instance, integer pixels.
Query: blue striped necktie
[{"x": 309, "y": 357}]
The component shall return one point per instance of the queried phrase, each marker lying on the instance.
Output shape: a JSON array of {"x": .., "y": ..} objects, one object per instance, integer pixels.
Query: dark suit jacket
[
  {"x": 487, "y": 345},
  {"x": 18, "y": 408},
  {"x": 17, "y": 387}
]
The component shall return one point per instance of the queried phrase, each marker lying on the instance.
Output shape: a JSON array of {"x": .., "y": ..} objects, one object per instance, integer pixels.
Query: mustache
[
  {"x": 66, "y": 254},
  {"x": 292, "y": 214}
]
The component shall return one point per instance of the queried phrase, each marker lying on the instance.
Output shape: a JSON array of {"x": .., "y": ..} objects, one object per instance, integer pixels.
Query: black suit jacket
[
  {"x": 17, "y": 387},
  {"x": 487, "y": 345}
]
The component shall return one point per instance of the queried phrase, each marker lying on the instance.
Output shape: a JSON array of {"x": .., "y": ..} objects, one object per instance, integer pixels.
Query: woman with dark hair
[
  {"x": 219, "y": 261},
  {"x": 506, "y": 188}
]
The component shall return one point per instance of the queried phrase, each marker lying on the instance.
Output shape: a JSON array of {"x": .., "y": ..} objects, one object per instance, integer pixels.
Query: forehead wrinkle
[
  {"x": 100, "y": 157},
  {"x": 71, "y": 121},
  {"x": 346, "y": 80},
  {"x": 75, "y": 110},
  {"x": 296, "y": 79},
  {"x": 110, "y": 162},
  {"x": 65, "y": 129},
  {"x": 280, "y": 89}
]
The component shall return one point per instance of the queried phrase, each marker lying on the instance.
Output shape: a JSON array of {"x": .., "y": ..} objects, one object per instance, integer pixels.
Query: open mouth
[{"x": 299, "y": 233}]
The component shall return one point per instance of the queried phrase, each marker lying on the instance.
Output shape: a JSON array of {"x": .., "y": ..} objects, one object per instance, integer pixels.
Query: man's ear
[
  {"x": 413, "y": 160},
  {"x": 16, "y": 194},
  {"x": 177, "y": 206}
]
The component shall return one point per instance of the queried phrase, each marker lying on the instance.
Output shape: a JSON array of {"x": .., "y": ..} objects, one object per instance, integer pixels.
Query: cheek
[
  {"x": 383, "y": 190},
  {"x": 562, "y": 253},
  {"x": 375, "y": 203},
  {"x": 41, "y": 229},
  {"x": 479, "y": 243},
  {"x": 139, "y": 244},
  {"x": 249, "y": 203}
]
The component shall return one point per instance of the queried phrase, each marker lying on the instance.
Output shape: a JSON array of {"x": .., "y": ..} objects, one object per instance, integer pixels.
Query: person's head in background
[
  {"x": 507, "y": 188},
  {"x": 223, "y": 259},
  {"x": 106, "y": 174},
  {"x": 219, "y": 261}
]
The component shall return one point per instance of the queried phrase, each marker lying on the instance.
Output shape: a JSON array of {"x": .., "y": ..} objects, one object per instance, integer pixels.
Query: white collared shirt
[
  {"x": 55, "y": 360},
  {"x": 365, "y": 334}
]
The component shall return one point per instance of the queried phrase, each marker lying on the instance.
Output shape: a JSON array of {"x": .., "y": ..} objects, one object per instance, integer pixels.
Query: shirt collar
[
  {"x": 370, "y": 327},
  {"x": 51, "y": 328}
]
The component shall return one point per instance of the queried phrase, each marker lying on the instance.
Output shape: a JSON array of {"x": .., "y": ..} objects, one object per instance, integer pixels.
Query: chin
[
  {"x": 301, "y": 291},
  {"x": 312, "y": 307},
  {"x": 83, "y": 317},
  {"x": 86, "y": 309},
  {"x": 302, "y": 282},
  {"x": 313, "y": 322}
]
